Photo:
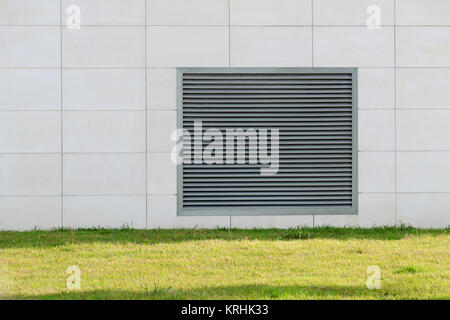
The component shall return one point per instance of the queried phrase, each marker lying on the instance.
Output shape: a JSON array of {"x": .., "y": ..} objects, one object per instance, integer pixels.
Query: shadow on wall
[{"x": 60, "y": 237}]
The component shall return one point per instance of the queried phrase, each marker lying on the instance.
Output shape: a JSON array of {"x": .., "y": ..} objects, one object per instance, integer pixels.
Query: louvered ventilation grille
[{"x": 314, "y": 114}]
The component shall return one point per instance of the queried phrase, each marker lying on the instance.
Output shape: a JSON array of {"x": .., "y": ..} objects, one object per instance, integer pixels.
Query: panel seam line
[
  {"x": 395, "y": 115},
  {"x": 61, "y": 116},
  {"x": 146, "y": 117}
]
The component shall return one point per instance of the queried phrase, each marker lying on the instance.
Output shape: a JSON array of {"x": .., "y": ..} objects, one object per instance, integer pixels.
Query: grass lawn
[{"x": 320, "y": 263}]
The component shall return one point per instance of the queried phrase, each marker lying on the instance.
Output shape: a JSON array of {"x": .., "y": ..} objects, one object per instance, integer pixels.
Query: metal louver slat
[{"x": 315, "y": 113}]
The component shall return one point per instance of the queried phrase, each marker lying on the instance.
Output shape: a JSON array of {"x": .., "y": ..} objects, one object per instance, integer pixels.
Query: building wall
[{"x": 86, "y": 115}]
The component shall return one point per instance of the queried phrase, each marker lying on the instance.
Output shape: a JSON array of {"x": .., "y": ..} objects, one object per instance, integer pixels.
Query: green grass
[{"x": 319, "y": 263}]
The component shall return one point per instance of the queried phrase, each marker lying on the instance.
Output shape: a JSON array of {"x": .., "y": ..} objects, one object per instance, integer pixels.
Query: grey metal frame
[{"x": 245, "y": 211}]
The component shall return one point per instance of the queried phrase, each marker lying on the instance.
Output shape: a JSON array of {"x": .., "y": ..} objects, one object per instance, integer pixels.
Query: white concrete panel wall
[
  {"x": 30, "y": 115},
  {"x": 86, "y": 115},
  {"x": 422, "y": 119}
]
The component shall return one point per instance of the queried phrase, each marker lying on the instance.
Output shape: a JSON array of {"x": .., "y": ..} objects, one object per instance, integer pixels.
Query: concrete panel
[
  {"x": 270, "y": 12},
  {"x": 30, "y": 89},
  {"x": 422, "y": 12},
  {"x": 423, "y": 46},
  {"x": 162, "y": 174},
  {"x": 162, "y": 213},
  {"x": 104, "y": 47},
  {"x": 104, "y": 131},
  {"x": 107, "y": 12},
  {"x": 424, "y": 88},
  {"x": 187, "y": 46},
  {"x": 30, "y": 131},
  {"x": 104, "y": 89},
  {"x": 376, "y": 88},
  {"x": 192, "y": 12},
  {"x": 424, "y": 210},
  {"x": 104, "y": 211},
  {"x": 30, "y": 47},
  {"x": 376, "y": 172},
  {"x": 282, "y": 222},
  {"x": 353, "y": 47},
  {"x": 104, "y": 174},
  {"x": 161, "y": 89},
  {"x": 352, "y": 12},
  {"x": 423, "y": 130},
  {"x": 28, "y": 213},
  {"x": 29, "y": 12},
  {"x": 376, "y": 130},
  {"x": 424, "y": 171},
  {"x": 30, "y": 174},
  {"x": 270, "y": 46},
  {"x": 374, "y": 210},
  {"x": 161, "y": 125}
]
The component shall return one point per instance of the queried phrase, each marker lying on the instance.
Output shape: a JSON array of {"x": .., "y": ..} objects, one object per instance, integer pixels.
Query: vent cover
[{"x": 314, "y": 110}]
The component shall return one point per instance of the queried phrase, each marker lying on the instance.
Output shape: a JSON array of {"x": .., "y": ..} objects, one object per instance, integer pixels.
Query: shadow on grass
[
  {"x": 9, "y": 239},
  {"x": 223, "y": 292}
]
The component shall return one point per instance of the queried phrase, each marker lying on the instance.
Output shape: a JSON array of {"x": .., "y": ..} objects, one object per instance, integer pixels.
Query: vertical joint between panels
[
  {"x": 61, "y": 116},
  {"x": 312, "y": 33},
  {"x": 395, "y": 114},
  {"x": 229, "y": 37},
  {"x": 146, "y": 117},
  {"x": 312, "y": 65},
  {"x": 229, "y": 51}
]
